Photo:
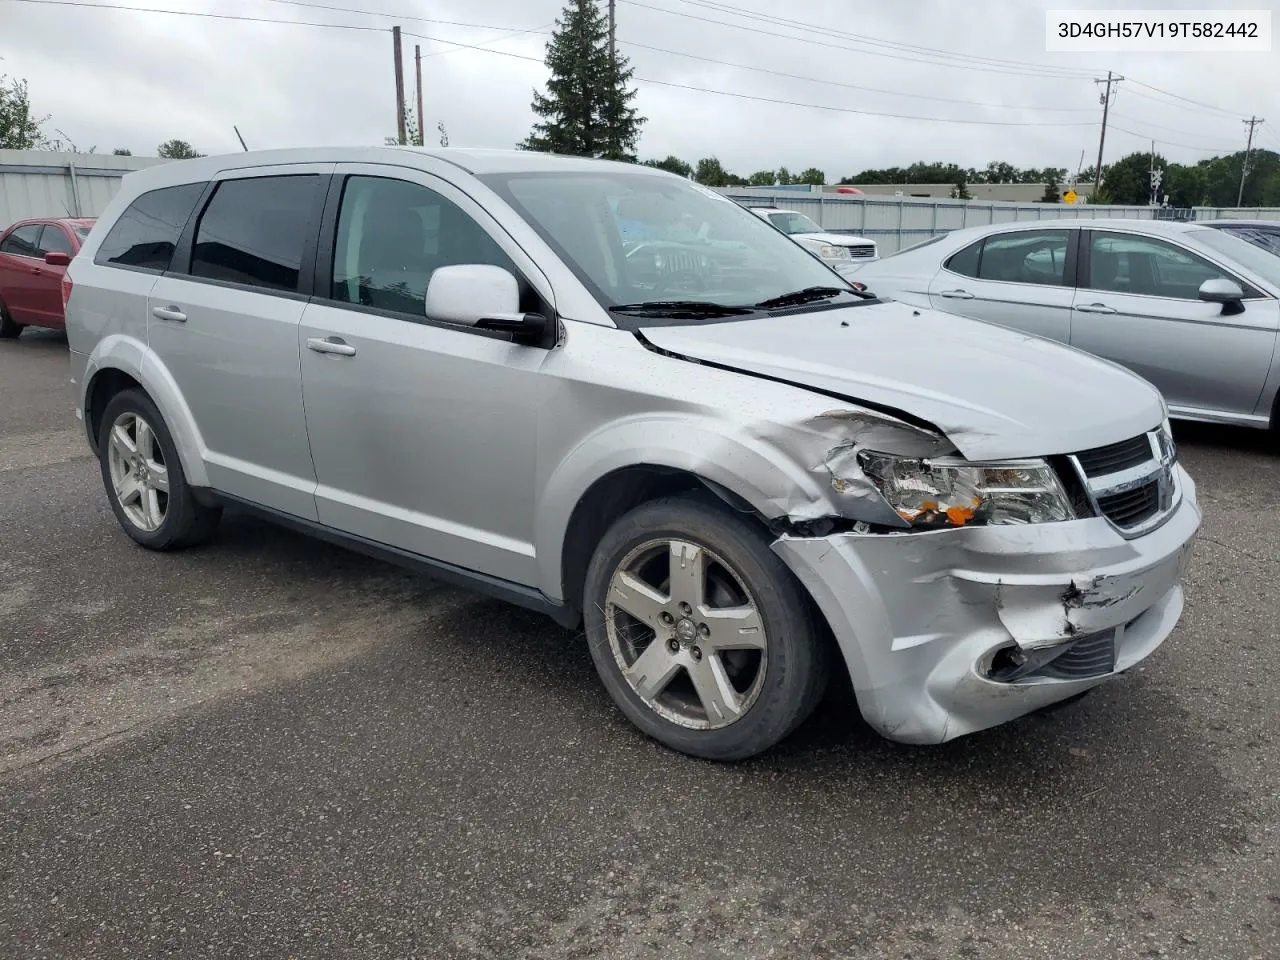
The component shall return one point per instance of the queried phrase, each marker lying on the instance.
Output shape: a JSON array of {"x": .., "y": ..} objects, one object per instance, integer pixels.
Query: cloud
[{"x": 122, "y": 78}]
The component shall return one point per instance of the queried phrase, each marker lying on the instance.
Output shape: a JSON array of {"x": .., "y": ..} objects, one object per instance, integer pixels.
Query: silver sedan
[{"x": 1192, "y": 309}]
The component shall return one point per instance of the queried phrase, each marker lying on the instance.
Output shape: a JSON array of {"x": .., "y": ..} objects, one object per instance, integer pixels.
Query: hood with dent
[{"x": 996, "y": 393}]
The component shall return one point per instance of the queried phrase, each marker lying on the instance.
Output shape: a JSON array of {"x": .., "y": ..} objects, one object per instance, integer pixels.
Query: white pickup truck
[{"x": 838, "y": 250}]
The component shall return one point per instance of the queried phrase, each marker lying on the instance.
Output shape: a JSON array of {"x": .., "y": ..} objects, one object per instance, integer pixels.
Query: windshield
[
  {"x": 81, "y": 232},
  {"x": 1249, "y": 256},
  {"x": 637, "y": 238},
  {"x": 790, "y": 223}
]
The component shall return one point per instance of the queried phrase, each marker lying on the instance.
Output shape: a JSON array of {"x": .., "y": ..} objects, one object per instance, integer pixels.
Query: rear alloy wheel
[
  {"x": 9, "y": 328},
  {"x": 699, "y": 631},
  {"x": 144, "y": 479}
]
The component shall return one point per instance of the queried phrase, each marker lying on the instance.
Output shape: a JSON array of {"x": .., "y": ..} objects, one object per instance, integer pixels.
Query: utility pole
[
  {"x": 613, "y": 35},
  {"x": 1244, "y": 167},
  {"x": 1106, "y": 105},
  {"x": 417, "y": 66},
  {"x": 395, "y": 43}
]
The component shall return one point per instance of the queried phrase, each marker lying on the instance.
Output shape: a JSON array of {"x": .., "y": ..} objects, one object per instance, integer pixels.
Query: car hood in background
[
  {"x": 994, "y": 392},
  {"x": 835, "y": 239}
]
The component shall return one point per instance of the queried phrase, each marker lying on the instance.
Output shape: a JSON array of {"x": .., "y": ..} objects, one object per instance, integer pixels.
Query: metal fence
[
  {"x": 41, "y": 183},
  {"x": 35, "y": 183},
  {"x": 897, "y": 222}
]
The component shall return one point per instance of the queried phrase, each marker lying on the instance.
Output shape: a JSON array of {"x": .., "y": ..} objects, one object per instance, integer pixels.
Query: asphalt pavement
[{"x": 270, "y": 747}]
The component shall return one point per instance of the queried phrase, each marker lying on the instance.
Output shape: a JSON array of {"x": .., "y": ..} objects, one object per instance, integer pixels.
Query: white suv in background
[{"x": 838, "y": 250}]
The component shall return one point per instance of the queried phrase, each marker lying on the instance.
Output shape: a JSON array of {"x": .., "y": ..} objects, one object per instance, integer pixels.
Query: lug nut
[
  {"x": 697, "y": 653},
  {"x": 673, "y": 645},
  {"x": 685, "y": 608},
  {"x": 666, "y": 618},
  {"x": 704, "y": 630}
]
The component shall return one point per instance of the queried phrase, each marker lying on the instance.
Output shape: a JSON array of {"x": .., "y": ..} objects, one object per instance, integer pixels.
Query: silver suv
[{"x": 609, "y": 394}]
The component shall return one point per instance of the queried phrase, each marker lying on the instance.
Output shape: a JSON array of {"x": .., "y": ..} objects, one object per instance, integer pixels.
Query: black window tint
[
  {"x": 392, "y": 235},
  {"x": 1025, "y": 256},
  {"x": 24, "y": 241},
  {"x": 965, "y": 262},
  {"x": 55, "y": 240},
  {"x": 253, "y": 231},
  {"x": 147, "y": 232},
  {"x": 1124, "y": 263}
]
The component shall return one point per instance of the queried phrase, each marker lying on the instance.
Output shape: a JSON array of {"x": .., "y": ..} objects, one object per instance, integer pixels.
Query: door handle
[
  {"x": 37, "y": 271},
  {"x": 169, "y": 313},
  {"x": 334, "y": 345},
  {"x": 957, "y": 294},
  {"x": 1095, "y": 308}
]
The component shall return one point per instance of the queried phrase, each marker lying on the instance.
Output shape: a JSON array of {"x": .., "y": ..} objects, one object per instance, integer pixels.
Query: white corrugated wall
[{"x": 43, "y": 183}]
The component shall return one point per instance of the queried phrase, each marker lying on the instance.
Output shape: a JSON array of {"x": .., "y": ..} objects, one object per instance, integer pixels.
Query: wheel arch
[
  {"x": 120, "y": 363},
  {"x": 617, "y": 470}
]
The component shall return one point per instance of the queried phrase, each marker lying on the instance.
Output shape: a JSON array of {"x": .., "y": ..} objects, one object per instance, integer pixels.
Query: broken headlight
[{"x": 934, "y": 493}]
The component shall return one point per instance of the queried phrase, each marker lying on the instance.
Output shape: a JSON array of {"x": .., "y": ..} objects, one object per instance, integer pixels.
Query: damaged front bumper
[{"x": 949, "y": 632}]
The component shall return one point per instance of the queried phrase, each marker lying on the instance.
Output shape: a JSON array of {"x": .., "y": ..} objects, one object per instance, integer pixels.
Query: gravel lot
[{"x": 269, "y": 747}]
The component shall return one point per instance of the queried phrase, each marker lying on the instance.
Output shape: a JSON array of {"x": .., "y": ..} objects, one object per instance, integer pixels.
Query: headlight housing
[
  {"x": 829, "y": 251},
  {"x": 942, "y": 493}
]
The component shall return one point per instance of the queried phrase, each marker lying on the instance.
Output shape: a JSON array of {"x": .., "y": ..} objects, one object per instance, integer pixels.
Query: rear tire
[
  {"x": 143, "y": 477},
  {"x": 9, "y": 328},
  {"x": 700, "y": 633}
]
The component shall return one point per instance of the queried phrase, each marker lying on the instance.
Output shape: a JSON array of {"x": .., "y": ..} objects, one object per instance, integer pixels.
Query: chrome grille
[
  {"x": 1117, "y": 456},
  {"x": 1130, "y": 508},
  {"x": 1131, "y": 483},
  {"x": 862, "y": 251},
  {"x": 680, "y": 262}
]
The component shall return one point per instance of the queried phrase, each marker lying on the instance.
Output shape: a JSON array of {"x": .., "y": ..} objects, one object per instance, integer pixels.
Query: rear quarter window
[{"x": 146, "y": 234}]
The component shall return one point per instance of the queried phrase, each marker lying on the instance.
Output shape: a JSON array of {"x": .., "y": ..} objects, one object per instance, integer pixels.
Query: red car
[{"x": 33, "y": 259}]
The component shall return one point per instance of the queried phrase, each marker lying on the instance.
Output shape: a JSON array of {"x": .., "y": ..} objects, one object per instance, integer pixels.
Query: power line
[
  {"x": 1148, "y": 123},
  {"x": 784, "y": 103},
  {"x": 308, "y": 4},
  {"x": 1208, "y": 106},
  {"x": 996, "y": 64},
  {"x": 859, "y": 50},
  {"x": 85, "y": 5},
  {"x": 82, "y": 4},
  {"x": 723, "y": 8},
  {"x": 848, "y": 86},
  {"x": 1145, "y": 138}
]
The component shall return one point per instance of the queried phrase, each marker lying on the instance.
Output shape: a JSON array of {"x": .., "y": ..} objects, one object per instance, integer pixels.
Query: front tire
[
  {"x": 700, "y": 633},
  {"x": 10, "y": 329},
  {"x": 143, "y": 476}
]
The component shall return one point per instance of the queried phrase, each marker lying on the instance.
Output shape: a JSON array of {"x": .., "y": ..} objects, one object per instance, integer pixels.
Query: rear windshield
[{"x": 80, "y": 232}]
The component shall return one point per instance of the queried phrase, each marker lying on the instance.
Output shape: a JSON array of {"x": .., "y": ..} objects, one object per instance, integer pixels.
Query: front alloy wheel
[
  {"x": 700, "y": 633},
  {"x": 138, "y": 473},
  {"x": 686, "y": 634}
]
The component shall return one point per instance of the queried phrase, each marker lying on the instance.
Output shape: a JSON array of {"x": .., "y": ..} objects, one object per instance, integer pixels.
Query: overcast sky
[{"x": 121, "y": 78}]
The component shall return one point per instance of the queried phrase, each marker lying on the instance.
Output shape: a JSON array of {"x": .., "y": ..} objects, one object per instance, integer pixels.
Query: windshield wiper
[
  {"x": 680, "y": 308},
  {"x": 809, "y": 295}
]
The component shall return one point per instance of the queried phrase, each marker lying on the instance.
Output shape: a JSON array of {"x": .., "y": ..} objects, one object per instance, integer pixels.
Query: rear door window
[
  {"x": 1026, "y": 256},
  {"x": 24, "y": 241},
  {"x": 55, "y": 240},
  {"x": 147, "y": 232},
  {"x": 254, "y": 230}
]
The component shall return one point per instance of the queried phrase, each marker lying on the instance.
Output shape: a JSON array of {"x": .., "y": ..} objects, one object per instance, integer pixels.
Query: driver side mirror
[
  {"x": 56, "y": 258},
  {"x": 482, "y": 296},
  {"x": 1225, "y": 292}
]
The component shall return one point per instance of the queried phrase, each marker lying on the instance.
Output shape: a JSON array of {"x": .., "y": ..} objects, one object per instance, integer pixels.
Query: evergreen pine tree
[{"x": 587, "y": 109}]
